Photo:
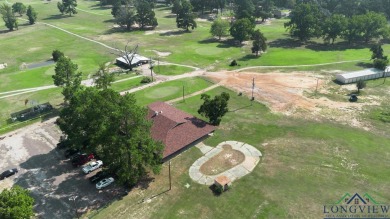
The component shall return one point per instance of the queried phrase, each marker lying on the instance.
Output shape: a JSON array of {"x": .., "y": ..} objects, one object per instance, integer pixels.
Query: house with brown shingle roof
[{"x": 176, "y": 129}]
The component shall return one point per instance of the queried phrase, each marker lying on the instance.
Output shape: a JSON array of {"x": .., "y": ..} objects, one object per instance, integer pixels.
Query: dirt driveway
[{"x": 43, "y": 170}]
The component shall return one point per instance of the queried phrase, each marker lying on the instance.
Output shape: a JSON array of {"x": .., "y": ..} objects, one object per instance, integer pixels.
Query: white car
[
  {"x": 104, "y": 182},
  {"x": 92, "y": 166}
]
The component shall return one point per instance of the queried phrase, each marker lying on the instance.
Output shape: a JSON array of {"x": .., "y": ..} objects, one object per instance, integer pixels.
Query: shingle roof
[{"x": 174, "y": 128}]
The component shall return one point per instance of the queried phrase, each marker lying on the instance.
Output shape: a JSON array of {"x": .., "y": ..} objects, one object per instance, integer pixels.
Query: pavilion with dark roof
[{"x": 176, "y": 129}]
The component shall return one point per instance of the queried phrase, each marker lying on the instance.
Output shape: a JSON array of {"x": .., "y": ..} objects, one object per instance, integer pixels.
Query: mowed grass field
[
  {"x": 305, "y": 165},
  {"x": 171, "y": 90},
  {"x": 171, "y": 69}
]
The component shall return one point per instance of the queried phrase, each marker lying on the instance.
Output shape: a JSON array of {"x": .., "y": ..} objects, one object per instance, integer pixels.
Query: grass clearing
[
  {"x": 309, "y": 162},
  {"x": 171, "y": 70},
  {"x": 170, "y": 90},
  {"x": 16, "y": 103},
  {"x": 127, "y": 85}
]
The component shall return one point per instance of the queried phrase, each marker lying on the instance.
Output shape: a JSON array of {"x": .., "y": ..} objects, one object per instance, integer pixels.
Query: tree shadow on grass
[
  {"x": 286, "y": 43},
  {"x": 162, "y": 7},
  {"x": 340, "y": 46},
  {"x": 209, "y": 40},
  {"x": 244, "y": 107},
  {"x": 290, "y": 43},
  {"x": 55, "y": 17},
  {"x": 100, "y": 7},
  {"x": 170, "y": 16},
  {"x": 365, "y": 64},
  {"x": 109, "y": 21},
  {"x": 248, "y": 57},
  {"x": 174, "y": 33},
  {"x": 5, "y": 31}
]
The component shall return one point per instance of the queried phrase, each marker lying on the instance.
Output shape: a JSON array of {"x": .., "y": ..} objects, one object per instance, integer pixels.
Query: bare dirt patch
[
  {"x": 286, "y": 93},
  {"x": 223, "y": 161}
]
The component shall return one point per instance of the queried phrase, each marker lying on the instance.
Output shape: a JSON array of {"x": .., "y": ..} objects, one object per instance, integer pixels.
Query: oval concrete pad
[{"x": 252, "y": 158}]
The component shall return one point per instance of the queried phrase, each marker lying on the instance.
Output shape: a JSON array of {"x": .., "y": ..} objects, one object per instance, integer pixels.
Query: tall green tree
[
  {"x": 352, "y": 31},
  {"x": 199, "y": 5},
  {"x": 117, "y": 130},
  {"x": 360, "y": 85},
  {"x": 214, "y": 109},
  {"x": 16, "y": 203},
  {"x": 348, "y": 8},
  {"x": 66, "y": 76},
  {"x": 8, "y": 17},
  {"x": 176, "y": 6},
  {"x": 126, "y": 17},
  {"x": 57, "y": 54},
  {"x": 380, "y": 61},
  {"x": 32, "y": 15},
  {"x": 220, "y": 4},
  {"x": 61, "y": 7},
  {"x": 372, "y": 25},
  {"x": 185, "y": 18},
  {"x": 67, "y": 7},
  {"x": 305, "y": 22},
  {"x": 333, "y": 27},
  {"x": 103, "y": 78},
  {"x": 19, "y": 8},
  {"x": 377, "y": 52},
  {"x": 219, "y": 28},
  {"x": 145, "y": 14},
  {"x": 242, "y": 29},
  {"x": 244, "y": 9},
  {"x": 259, "y": 42}
]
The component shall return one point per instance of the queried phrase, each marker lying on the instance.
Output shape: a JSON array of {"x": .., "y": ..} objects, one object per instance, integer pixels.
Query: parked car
[
  {"x": 99, "y": 176},
  {"x": 76, "y": 156},
  {"x": 353, "y": 98},
  {"x": 82, "y": 159},
  {"x": 70, "y": 152},
  {"x": 92, "y": 166},
  {"x": 104, "y": 182},
  {"x": 8, "y": 173}
]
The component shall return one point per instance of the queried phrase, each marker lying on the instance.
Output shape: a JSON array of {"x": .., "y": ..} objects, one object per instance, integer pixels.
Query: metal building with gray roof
[{"x": 363, "y": 75}]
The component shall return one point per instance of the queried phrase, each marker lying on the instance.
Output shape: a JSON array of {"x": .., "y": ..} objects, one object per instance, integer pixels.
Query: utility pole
[
  {"x": 183, "y": 94},
  {"x": 158, "y": 64},
  {"x": 170, "y": 181},
  {"x": 253, "y": 87},
  {"x": 151, "y": 68}
]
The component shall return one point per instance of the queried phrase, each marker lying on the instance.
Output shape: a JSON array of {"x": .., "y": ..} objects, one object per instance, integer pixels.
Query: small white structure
[
  {"x": 137, "y": 60},
  {"x": 366, "y": 74}
]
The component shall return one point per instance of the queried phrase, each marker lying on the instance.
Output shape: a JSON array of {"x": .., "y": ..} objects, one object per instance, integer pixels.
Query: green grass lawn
[
  {"x": 305, "y": 165},
  {"x": 170, "y": 90},
  {"x": 126, "y": 85},
  {"x": 16, "y": 103},
  {"x": 171, "y": 70}
]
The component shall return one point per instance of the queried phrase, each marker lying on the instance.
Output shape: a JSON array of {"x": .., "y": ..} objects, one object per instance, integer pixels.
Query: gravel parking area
[{"x": 48, "y": 175}]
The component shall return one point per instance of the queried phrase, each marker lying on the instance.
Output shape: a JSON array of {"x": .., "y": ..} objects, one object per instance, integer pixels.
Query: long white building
[{"x": 363, "y": 75}]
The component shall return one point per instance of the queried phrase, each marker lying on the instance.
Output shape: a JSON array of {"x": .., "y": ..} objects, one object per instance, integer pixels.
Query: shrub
[
  {"x": 233, "y": 63},
  {"x": 218, "y": 189},
  {"x": 146, "y": 80},
  {"x": 57, "y": 54}
]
